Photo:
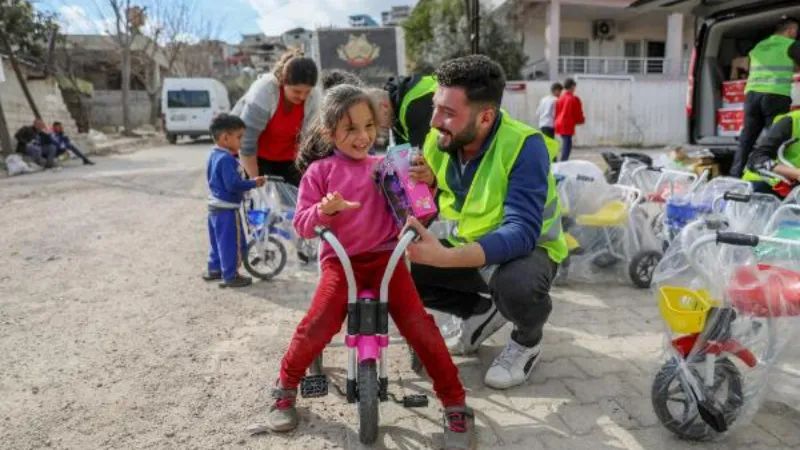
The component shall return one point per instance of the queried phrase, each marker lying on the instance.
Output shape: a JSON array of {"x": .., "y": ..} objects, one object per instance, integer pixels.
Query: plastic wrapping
[
  {"x": 270, "y": 213},
  {"x": 730, "y": 304},
  {"x": 697, "y": 203},
  {"x": 608, "y": 232}
]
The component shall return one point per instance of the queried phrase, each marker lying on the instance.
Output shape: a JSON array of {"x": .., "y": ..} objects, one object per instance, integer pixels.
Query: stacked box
[{"x": 730, "y": 118}]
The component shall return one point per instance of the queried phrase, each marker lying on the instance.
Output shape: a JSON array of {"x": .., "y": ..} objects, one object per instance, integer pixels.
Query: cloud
[
  {"x": 75, "y": 20},
  {"x": 277, "y": 16}
]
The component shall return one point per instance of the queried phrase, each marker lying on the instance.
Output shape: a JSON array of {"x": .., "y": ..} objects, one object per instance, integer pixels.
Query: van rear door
[{"x": 188, "y": 110}]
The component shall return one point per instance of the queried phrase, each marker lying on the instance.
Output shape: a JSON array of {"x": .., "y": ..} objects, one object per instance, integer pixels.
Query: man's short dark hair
[
  {"x": 57, "y": 124},
  {"x": 569, "y": 83},
  {"x": 556, "y": 87},
  {"x": 786, "y": 24},
  {"x": 482, "y": 79},
  {"x": 336, "y": 77},
  {"x": 226, "y": 123}
]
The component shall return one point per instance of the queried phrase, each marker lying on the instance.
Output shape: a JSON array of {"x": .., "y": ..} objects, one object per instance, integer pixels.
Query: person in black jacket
[{"x": 37, "y": 143}]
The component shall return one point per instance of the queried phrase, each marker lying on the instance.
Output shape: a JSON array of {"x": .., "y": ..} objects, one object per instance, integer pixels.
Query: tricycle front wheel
[
  {"x": 676, "y": 408},
  {"x": 368, "y": 402}
]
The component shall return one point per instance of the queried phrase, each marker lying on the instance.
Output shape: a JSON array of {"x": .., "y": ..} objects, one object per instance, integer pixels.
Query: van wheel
[{"x": 172, "y": 138}]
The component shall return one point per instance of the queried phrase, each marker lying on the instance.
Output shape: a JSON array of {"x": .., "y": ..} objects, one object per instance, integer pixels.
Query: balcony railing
[{"x": 616, "y": 66}]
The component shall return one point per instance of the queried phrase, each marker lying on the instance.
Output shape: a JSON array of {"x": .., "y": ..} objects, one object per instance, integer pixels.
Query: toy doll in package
[{"x": 406, "y": 197}]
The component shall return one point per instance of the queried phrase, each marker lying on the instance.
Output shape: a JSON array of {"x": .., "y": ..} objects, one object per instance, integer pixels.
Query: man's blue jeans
[{"x": 566, "y": 147}]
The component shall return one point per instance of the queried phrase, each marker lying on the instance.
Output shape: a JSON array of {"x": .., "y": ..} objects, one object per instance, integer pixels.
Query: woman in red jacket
[{"x": 569, "y": 114}]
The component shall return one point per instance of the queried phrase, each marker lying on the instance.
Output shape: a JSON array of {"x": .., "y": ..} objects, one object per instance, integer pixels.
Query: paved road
[{"x": 108, "y": 339}]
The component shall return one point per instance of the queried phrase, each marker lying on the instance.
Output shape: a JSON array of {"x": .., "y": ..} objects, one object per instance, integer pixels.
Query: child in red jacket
[{"x": 569, "y": 114}]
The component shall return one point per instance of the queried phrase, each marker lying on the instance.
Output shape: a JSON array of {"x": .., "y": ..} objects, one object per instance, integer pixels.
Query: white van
[
  {"x": 189, "y": 104},
  {"x": 726, "y": 31}
]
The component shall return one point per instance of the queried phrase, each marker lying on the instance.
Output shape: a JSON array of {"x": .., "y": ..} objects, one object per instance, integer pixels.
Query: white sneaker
[
  {"x": 474, "y": 331},
  {"x": 512, "y": 367}
]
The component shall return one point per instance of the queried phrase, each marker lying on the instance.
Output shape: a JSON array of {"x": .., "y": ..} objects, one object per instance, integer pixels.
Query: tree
[
  {"x": 126, "y": 21},
  {"x": 172, "y": 29},
  {"x": 26, "y": 30},
  {"x": 449, "y": 37}
]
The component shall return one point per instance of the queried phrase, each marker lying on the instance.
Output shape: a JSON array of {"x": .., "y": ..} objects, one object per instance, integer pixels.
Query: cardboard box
[
  {"x": 405, "y": 197},
  {"x": 733, "y": 92},
  {"x": 730, "y": 121}
]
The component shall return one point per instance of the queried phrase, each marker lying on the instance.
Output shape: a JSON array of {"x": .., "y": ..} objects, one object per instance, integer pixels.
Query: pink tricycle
[{"x": 367, "y": 340}]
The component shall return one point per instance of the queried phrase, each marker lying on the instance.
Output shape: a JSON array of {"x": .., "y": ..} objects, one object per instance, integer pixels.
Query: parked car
[
  {"x": 726, "y": 32},
  {"x": 189, "y": 105}
]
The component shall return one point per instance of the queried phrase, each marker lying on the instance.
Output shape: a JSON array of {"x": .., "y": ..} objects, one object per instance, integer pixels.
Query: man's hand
[
  {"x": 333, "y": 203},
  {"x": 421, "y": 171},
  {"x": 427, "y": 250},
  {"x": 260, "y": 181}
]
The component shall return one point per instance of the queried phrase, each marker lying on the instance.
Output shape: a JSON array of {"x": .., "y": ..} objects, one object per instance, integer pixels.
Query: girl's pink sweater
[{"x": 370, "y": 228}]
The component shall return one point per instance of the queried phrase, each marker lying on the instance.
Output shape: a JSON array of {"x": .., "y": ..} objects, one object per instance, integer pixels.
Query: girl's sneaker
[
  {"x": 283, "y": 413},
  {"x": 459, "y": 428}
]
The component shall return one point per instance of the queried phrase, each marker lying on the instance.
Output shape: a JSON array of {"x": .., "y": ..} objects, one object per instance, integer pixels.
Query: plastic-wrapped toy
[
  {"x": 270, "y": 211},
  {"x": 728, "y": 300},
  {"x": 606, "y": 230},
  {"x": 406, "y": 197}
]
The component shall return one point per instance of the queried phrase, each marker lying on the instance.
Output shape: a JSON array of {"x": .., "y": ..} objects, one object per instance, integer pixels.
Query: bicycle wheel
[
  {"x": 267, "y": 265},
  {"x": 367, "y": 402}
]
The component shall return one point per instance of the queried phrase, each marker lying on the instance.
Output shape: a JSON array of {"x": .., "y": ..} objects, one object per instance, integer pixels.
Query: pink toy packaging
[{"x": 406, "y": 197}]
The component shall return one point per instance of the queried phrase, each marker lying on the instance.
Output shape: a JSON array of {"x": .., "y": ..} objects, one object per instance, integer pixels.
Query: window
[
  {"x": 633, "y": 56},
  {"x": 188, "y": 99},
  {"x": 573, "y": 55}
]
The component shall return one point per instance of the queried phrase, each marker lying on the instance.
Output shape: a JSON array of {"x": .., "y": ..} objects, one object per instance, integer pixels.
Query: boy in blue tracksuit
[{"x": 226, "y": 188}]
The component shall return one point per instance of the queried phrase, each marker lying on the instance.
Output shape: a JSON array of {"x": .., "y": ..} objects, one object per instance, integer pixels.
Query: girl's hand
[
  {"x": 333, "y": 203},
  {"x": 421, "y": 171}
]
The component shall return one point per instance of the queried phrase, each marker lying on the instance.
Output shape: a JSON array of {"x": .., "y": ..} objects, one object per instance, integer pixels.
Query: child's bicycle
[
  {"x": 367, "y": 341},
  {"x": 270, "y": 212},
  {"x": 720, "y": 328}
]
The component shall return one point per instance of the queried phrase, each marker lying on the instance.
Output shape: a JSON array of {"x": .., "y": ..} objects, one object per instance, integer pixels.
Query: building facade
[{"x": 598, "y": 37}]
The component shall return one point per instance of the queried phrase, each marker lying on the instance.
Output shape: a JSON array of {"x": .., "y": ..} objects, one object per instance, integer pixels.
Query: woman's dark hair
[
  {"x": 338, "y": 100},
  {"x": 293, "y": 68}
]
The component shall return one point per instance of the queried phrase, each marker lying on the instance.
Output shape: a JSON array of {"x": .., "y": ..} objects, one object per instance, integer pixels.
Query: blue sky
[{"x": 238, "y": 16}]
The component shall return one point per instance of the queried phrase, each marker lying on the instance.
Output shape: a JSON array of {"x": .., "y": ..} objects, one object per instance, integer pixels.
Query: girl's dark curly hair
[{"x": 338, "y": 100}]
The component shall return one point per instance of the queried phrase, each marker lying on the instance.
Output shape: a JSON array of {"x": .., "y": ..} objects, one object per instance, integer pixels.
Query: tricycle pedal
[{"x": 314, "y": 386}]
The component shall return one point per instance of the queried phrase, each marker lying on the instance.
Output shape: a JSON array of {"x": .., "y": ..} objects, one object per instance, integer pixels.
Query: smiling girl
[{"x": 338, "y": 191}]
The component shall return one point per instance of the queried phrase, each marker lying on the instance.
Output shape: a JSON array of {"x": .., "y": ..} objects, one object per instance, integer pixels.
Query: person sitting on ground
[
  {"x": 63, "y": 143},
  {"x": 336, "y": 77},
  {"x": 226, "y": 188},
  {"x": 337, "y": 190},
  {"x": 37, "y": 143}
]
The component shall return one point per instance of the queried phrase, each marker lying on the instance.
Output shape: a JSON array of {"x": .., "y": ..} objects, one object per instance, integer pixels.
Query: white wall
[{"x": 618, "y": 112}]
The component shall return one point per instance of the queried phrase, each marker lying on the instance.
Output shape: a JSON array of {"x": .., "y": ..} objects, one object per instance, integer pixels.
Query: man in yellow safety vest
[
  {"x": 769, "y": 86},
  {"x": 499, "y": 219}
]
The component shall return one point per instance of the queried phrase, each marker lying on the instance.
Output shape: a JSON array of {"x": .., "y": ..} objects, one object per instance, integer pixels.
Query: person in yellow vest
[
  {"x": 786, "y": 130},
  {"x": 499, "y": 219},
  {"x": 407, "y": 105},
  {"x": 769, "y": 86}
]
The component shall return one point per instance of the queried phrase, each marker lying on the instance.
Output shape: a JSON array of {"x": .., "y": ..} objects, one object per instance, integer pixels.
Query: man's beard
[{"x": 466, "y": 137}]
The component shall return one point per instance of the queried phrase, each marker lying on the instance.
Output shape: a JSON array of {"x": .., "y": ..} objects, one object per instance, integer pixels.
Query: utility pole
[
  {"x": 5, "y": 136},
  {"x": 473, "y": 10}
]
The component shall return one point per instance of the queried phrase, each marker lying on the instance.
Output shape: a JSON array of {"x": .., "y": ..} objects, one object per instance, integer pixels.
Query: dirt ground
[{"x": 109, "y": 339}]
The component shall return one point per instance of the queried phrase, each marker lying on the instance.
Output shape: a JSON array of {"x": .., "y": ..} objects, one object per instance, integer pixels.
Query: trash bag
[{"x": 15, "y": 165}]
